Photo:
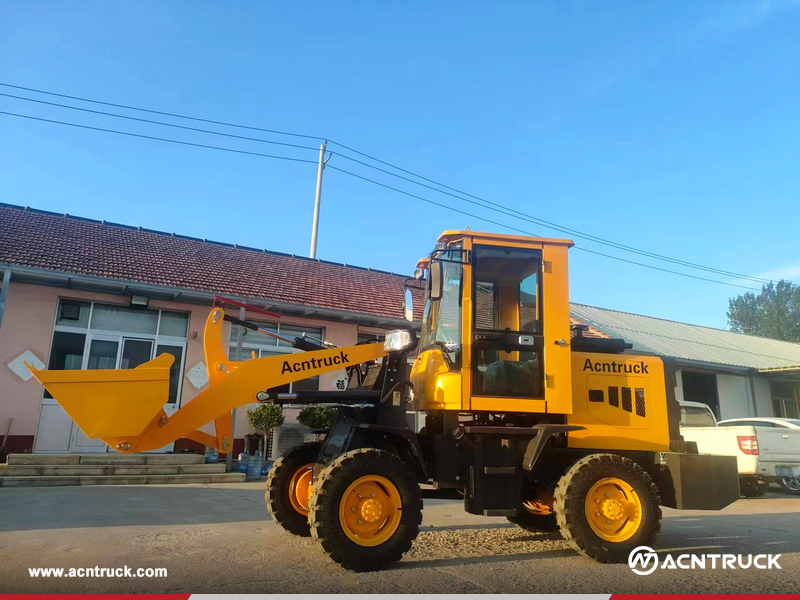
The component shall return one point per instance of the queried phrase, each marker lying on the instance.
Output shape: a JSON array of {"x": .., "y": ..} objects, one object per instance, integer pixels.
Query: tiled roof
[
  {"x": 689, "y": 342},
  {"x": 44, "y": 240}
]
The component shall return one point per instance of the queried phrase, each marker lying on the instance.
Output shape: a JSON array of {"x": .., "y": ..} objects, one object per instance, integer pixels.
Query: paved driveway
[{"x": 219, "y": 538}]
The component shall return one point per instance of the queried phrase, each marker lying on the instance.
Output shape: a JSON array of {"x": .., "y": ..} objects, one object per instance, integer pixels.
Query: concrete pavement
[{"x": 219, "y": 538}]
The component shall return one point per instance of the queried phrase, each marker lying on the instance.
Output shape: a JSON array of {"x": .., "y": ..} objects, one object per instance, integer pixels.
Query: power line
[
  {"x": 528, "y": 233},
  {"x": 159, "y": 139},
  {"x": 159, "y": 112},
  {"x": 516, "y": 214},
  {"x": 383, "y": 185},
  {"x": 108, "y": 114}
]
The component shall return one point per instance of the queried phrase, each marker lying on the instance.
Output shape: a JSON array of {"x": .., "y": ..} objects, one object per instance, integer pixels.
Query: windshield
[{"x": 441, "y": 321}]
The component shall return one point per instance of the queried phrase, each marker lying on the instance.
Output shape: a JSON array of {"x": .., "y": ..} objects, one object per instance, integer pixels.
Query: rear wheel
[
  {"x": 790, "y": 484},
  {"x": 606, "y": 505},
  {"x": 752, "y": 488},
  {"x": 289, "y": 488},
  {"x": 366, "y": 509}
]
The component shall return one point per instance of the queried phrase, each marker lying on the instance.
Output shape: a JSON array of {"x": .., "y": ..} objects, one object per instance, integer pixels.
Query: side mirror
[
  {"x": 408, "y": 304},
  {"x": 436, "y": 280}
]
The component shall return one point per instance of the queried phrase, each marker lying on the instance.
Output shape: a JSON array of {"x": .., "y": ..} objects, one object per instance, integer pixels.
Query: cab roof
[{"x": 493, "y": 238}]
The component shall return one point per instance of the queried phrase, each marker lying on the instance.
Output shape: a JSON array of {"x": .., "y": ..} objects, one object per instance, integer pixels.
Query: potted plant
[
  {"x": 264, "y": 419},
  {"x": 316, "y": 418}
]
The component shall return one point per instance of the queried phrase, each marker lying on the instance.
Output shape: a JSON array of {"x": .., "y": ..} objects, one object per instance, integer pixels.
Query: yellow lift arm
[{"x": 124, "y": 407}]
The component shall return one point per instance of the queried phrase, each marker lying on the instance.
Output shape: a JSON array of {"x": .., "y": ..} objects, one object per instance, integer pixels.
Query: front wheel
[
  {"x": 606, "y": 505},
  {"x": 366, "y": 509}
]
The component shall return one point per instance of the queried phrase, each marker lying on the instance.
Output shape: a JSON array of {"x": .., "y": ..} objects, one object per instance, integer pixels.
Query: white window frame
[
  {"x": 119, "y": 336},
  {"x": 782, "y": 400},
  {"x": 247, "y": 349}
]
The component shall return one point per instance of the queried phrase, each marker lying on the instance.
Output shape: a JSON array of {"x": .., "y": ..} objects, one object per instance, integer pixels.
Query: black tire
[
  {"x": 569, "y": 506},
  {"x": 330, "y": 487},
  {"x": 752, "y": 488},
  {"x": 790, "y": 485},
  {"x": 278, "y": 484}
]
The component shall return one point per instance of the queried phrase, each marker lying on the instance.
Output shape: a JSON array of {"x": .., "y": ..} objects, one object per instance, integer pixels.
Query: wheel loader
[{"x": 528, "y": 418}]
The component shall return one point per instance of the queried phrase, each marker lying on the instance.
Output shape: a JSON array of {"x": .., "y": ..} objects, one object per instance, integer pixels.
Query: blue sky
[{"x": 671, "y": 127}]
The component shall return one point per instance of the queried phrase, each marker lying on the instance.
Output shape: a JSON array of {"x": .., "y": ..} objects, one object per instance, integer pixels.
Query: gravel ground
[{"x": 219, "y": 538}]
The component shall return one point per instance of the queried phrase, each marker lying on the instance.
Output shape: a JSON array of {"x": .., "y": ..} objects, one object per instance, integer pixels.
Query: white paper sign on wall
[
  {"x": 339, "y": 382},
  {"x": 18, "y": 367},
  {"x": 198, "y": 375}
]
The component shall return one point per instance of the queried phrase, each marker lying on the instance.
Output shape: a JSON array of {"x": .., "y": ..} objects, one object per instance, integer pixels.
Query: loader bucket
[{"x": 111, "y": 403}]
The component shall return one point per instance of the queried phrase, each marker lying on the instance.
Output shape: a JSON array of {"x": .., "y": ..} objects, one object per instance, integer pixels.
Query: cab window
[{"x": 507, "y": 339}]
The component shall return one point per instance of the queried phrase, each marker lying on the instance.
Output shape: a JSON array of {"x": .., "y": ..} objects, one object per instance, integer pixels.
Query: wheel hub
[
  {"x": 613, "y": 509},
  {"x": 371, "y": 510}
]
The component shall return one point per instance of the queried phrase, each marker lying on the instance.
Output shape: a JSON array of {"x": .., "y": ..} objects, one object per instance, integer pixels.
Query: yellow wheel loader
[{"x": 550, "y": 428}]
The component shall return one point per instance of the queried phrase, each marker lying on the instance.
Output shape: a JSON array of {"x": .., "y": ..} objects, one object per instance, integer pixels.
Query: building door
[
  {"x": 103, "y": 354},
  {"x": 55, "y": 432},
  {"x": 701, "y": 387}
]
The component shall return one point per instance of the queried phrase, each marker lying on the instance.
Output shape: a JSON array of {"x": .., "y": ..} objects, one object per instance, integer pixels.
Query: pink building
[{"x": 84, "y": 294}]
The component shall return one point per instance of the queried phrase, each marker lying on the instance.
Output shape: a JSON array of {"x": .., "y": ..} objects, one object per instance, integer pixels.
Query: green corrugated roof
[{"x": 689, "y": 342}]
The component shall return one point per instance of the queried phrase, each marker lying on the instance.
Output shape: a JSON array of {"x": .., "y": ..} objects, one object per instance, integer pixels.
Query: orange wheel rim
[
  {"x": 300, "y": 488},
  {"x": 370, "y": 510},
  {"x": 613, "y": 509}
]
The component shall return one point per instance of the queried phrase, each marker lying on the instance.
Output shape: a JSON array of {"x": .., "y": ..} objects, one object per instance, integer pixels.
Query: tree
[
  {"x": 774, "y": 313},
  {"x": 265, "y": 418},
  {"x": 316, "y": 417}
]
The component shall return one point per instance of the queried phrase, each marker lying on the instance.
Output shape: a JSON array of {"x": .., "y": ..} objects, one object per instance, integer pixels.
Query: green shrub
[
  {"x": 316, "y": 417},
  {"x": 265, "y": 418}
]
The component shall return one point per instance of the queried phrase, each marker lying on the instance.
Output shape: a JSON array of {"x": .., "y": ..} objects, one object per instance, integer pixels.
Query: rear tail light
[{"x": 748, "y": 444}]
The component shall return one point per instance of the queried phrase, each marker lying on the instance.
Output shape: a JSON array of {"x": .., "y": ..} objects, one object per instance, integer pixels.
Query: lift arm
[{"x": 125, "y": 407}]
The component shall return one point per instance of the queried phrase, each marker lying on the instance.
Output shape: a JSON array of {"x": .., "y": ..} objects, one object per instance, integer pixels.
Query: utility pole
[{"x": 315, "y": 226}]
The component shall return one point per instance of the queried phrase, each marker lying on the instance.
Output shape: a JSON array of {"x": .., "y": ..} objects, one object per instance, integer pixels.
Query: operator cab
[{"x": 492, "y": 302}]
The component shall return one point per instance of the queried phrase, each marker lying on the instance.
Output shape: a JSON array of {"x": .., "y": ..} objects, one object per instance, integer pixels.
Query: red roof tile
[{"x": 68, "y": 244}]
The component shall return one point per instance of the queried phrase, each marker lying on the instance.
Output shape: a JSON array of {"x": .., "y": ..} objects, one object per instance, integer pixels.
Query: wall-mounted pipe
[{"x": 4, "y": 292}]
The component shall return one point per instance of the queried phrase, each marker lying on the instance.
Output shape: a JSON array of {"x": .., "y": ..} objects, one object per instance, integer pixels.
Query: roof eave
[{"x": 108, "y": 285}]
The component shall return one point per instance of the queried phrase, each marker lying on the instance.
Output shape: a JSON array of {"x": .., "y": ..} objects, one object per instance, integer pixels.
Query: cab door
[{"x": 519, "y": 352}]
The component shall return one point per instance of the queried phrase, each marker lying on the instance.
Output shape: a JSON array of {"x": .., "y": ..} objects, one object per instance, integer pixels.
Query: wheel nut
[
  {"x": 597, "y": 501},
  {"x": 596, "y": 514},
  {"x": 607, "y": 521},
  {"x": 360, "y": 496},
  {"x": 360, "y": 522},
  {"x": 608, "y": 495},
  {"x": 372, "y": 494},
  {"x": 352, "y": 509}
]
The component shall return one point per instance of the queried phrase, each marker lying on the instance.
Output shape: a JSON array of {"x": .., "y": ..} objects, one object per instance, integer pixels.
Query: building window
[
  {"x": 784, "y": 399},
  {"x": 369, "y": 338},
  {"x": 261, "y": 345},
  {"x": 92, "y": 335}
]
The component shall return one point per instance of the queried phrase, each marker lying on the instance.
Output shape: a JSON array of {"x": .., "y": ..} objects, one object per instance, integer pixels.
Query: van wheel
[
  {"x": 366, "y": 509},
  {"x": 790, "y": 484},
  {"x": 752, "y": 488},
  {"x": 289, "y": 488},
  {"x": 606, "y": 505}
]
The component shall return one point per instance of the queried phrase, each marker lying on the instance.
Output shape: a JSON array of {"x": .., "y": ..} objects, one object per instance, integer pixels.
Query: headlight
[{"x": 399, "y": 339}]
